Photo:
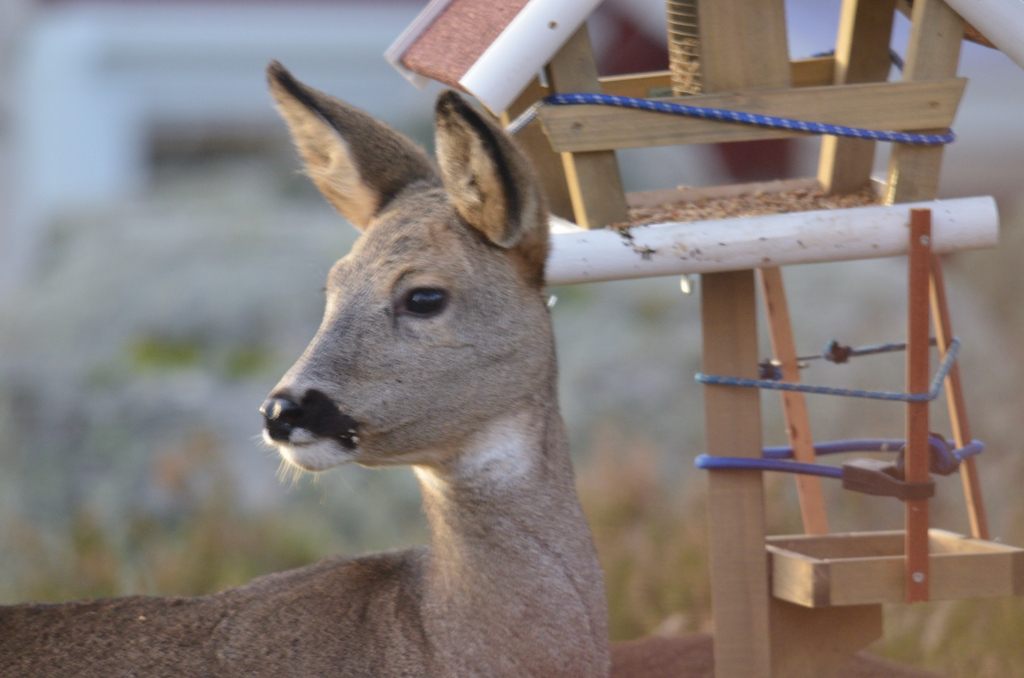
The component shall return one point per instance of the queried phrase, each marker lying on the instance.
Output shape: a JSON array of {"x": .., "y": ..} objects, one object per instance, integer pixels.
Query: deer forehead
[{"x": 428, "y": 239}]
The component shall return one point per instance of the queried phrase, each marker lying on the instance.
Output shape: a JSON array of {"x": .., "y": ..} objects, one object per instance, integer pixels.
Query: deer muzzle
[{"x": 315, "y": 416}]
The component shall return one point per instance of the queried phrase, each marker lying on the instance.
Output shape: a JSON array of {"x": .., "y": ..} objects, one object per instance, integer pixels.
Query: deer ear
[
  {"x": 491, "y": 181},
  {"x": 357, "y": 162}
]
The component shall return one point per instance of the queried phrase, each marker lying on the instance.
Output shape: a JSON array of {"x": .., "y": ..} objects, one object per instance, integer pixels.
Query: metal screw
[
  {"x": 925, "y": 240},
  {"x": 918, "y": 577}
]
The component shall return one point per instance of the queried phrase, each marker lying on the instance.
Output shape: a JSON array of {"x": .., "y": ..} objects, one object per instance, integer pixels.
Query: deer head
[{"x": 435, "y": 322}]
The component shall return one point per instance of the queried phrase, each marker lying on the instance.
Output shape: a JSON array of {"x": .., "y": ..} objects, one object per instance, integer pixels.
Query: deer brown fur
[{"x": 435, "y": 351}]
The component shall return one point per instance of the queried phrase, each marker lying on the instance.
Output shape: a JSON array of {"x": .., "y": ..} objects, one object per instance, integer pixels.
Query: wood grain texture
[
  {"x": 635, "y": 84},
  {"x": 933, "y": 52},
  {"x": 880, "y": 106},
  {"x": 813, "y": 643},
  {"x": 593, "y": 179},
  {"x": 862, "y": 55},
  {"x": 739, "y": 584},
  {"x": 794, "y": 407},
  {"x": 917, "y": 453},
  {"x": 956, "y": 403},
  {"x": 743, "y": 45},
  {"x": 811, "y": 72},
  {"x": 868, "y": 568}
]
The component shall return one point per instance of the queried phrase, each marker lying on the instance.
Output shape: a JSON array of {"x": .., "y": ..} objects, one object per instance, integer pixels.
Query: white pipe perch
[
  {"x": 774, "y": 240},
  {"x": 1001, "y": 21}
]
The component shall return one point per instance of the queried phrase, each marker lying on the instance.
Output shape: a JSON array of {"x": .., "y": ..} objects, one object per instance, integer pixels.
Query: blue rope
[
  {"x": 707, "y": 462},
  {"x": 527, "y": 116},
  {"x": 932, "y": 394},
  {"x": 944, "y": 461}
]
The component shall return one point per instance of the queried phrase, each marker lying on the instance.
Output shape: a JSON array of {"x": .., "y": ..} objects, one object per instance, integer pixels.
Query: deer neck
[{"x": 512, "y": 571}]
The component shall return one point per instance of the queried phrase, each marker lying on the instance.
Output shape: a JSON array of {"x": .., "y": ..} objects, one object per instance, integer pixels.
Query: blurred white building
[{"x": 92, "y": 84}]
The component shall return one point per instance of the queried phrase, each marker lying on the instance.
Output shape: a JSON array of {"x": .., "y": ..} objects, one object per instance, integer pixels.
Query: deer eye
[{"x": 424, "y": 301}]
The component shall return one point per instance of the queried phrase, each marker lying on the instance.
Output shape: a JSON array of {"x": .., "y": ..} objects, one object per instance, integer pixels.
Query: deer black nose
[
  {"x": 280, "y": 415},
  {"x": 317, "y": 415}
]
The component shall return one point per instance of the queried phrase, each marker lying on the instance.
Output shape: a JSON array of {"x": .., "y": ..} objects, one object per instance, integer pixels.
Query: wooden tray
[{"x": 867, "y": 567}]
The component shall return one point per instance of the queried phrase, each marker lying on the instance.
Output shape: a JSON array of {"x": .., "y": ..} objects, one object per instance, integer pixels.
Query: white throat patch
[{"x": 499, "y": 456}]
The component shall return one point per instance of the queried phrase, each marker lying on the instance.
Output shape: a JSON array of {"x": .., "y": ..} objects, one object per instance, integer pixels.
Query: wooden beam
[
  {"x": 636, "y": 84},
  {"x": 595, "y": 186},
  {"x": 794, "y": 408},
  {"x": 739, "y": 582},
  {"x": 933, "y": 53},
  {"x": 813, "y": 643},
  {"x": 811, "y": 72},
  {"x": 862, "y": 55},
  {"x": 546, "y": 161},
  {"x": 879, "y": 106},
  {"x": 956, "y": 403},
  {"x": 743, "y": 47},
  {"x": 917, "y": 454}
]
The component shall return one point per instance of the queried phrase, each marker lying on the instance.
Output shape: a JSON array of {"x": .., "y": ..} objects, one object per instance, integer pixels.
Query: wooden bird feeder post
[{"x": 816, "y": 598}]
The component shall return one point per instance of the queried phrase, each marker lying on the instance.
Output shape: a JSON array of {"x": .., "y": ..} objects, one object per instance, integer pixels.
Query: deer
[{"x": 436, "y": 351}]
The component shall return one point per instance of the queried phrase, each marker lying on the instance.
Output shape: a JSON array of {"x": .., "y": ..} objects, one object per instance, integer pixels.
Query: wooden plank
[
  {"x": 691, "y": 194},
  {"x": 813, "y": 72},
  {"x": 798, "y": 578},
  {"x": 812, "y": 643},
  {"x": 739, "y": 585},
  {"x": 595, "y": 186},
  {"x": 880, "y": 106},
  {"x": 842, "y": 544},
  {"x": 868, "y": 568},
  {"x": 862, "y": 55},
  {"x": 944, "y": 541},
  {"x": 863, "y": 581},
  {"x": 546, "y": 161},
  {"x": 961, "y": 576},
  {"x": 794, "y": 407},
  {"x": 917, "y": 455},
  {"x": 636, "y": 84},
  {"x": 932, "y": 53},
  {"x": 957, "y": 404},
  {"x": 743, "y": 47}
]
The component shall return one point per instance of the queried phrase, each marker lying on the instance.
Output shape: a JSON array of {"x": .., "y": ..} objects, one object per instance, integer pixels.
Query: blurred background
[{"x": 161, "y": 265}]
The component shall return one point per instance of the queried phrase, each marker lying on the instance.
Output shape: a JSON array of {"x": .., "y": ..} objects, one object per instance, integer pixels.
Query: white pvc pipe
[
  {"x": 775, "y": 240},
  {"x": 529, "y": 41},
  {"x": 1001, "y": 21}
]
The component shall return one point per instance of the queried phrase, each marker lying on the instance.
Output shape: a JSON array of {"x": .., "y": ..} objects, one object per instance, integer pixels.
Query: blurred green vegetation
[
  {"x": 156, "y": 353},
  {"x": 200, "y": 542}
]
